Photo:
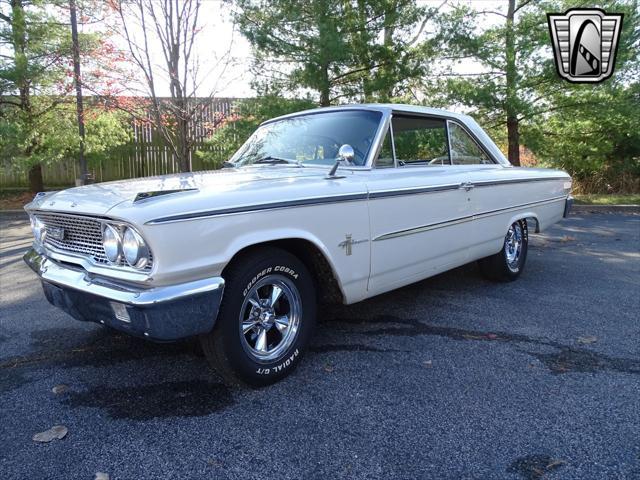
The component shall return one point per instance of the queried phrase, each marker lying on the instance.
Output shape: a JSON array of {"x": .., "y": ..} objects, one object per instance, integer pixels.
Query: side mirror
[{"x": 346, "y": 153}]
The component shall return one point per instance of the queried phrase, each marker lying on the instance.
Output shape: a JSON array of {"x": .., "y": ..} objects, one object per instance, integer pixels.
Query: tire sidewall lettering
[
  {"x": 266, "y": 271},
  {"x": 283, "y": 365}
]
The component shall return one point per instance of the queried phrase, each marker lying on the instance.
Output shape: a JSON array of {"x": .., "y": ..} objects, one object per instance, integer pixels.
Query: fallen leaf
[
  {"x": 492, "y": 336},
  {"x": 58, "y": 389},
  {"x": 587, "y": 339},
  {"x": 101, "y": 476},
  {"x": 555, "y": 463},
  {"x": 328, "y": 368},
  {"x": 428, "y": 363},
  {"x": 56, "y": 432}
]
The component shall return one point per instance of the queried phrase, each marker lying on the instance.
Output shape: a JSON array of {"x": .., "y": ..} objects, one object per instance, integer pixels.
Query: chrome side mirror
[{"x": 346, "y": 153}]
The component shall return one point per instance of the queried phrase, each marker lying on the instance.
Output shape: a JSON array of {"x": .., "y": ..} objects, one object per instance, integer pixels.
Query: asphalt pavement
[{"x": 452, "y": 377}]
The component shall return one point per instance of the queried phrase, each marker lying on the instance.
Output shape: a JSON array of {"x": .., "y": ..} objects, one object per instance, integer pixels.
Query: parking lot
[{"x": 453, "y": 377}]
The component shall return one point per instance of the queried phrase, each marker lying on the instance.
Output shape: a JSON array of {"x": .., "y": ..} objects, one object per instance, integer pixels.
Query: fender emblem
[{"x": 349, "y": 242}]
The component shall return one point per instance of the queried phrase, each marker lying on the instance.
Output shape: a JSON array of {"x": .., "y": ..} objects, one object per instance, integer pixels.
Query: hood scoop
[{"x": 158, "y": 193}]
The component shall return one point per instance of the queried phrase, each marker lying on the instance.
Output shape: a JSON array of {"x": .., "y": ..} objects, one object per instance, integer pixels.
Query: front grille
[{"x": 81, "y": 236}]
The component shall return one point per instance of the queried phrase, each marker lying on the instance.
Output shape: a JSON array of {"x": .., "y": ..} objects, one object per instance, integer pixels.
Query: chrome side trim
[
  {"x": 423, "y": 228},
  {"x": 52, "y": 272},
  {"x": 413, "y": 191},
  {"x": 257, "y": 208},
  {"x": 489, "y": 183},
  {"x": 468, "y": 218},
  {"x": 304, "y": 202},
  {"x": 160, "y": 193},
  {"x": 498, "y": 211}
]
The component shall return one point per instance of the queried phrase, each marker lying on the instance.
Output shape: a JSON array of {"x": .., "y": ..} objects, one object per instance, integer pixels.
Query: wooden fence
[{"x": 146, "y": 155}]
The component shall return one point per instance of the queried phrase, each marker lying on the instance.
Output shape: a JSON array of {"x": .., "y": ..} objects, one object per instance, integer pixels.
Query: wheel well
[
  {"x": 326, "y": 282},
  {"x": 531, "y": 221}
]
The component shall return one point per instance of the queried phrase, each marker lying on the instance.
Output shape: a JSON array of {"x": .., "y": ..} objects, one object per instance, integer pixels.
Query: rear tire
[
  {"x": 266, "y": 318},
  {"x": 508, "y": 263}
]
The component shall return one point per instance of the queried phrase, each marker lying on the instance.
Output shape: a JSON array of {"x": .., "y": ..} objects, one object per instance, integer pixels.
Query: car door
[
  {"x": 488, "y": 195},
  {"x": 418, "y": 207}
]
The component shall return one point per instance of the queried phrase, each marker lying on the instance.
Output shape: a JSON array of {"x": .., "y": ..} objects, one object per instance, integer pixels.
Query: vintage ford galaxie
[{"x": 328, "y": 205}]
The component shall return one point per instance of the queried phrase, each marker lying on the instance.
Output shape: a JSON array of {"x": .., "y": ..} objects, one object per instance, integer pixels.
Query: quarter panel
[{"x": 502, "y": 197}]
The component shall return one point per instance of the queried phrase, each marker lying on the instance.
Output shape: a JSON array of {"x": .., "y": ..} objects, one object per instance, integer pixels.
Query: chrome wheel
[
  {"x": 513, "y": 246},
  {"x": 270, "y": 318}
]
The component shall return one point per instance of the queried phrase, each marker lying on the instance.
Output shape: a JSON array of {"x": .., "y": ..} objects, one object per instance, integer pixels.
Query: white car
[{"x": 327, "y": 205}]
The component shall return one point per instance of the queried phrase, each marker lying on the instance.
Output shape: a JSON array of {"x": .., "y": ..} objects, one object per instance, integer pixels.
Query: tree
[
  {"x": 57, "y": 135},
  {"x": 247, "y": 115},
  {"x": 36, "y": 78},
  {"x": 353, "y": 50},
  {"x": 172, "y": 26},
  {"x": 509, "y": 61},
  {"x": 38, "y": 47},
  {"x": 515, "y": 83},
  {"x": 597, "y": 139}
]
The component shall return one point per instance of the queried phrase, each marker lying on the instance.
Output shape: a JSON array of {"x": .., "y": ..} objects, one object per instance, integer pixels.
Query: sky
[{"x": 219, "y": 39}]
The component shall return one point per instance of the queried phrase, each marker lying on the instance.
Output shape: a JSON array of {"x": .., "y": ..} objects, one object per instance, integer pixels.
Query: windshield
[{"x": 312, "y": 139}]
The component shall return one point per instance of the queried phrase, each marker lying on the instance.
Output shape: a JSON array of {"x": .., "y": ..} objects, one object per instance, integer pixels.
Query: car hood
[{"x": 182, "y": 192}]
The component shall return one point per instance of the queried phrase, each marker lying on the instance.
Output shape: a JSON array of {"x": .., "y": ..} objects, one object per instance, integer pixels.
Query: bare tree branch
[{"x": 170, "y": 27}]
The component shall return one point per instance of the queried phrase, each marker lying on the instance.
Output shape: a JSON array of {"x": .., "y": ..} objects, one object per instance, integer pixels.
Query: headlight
[
  {"x": 135, "y": 250},
  {"x": 38, "y": 228},
  {"x": 112, "y": 243}
]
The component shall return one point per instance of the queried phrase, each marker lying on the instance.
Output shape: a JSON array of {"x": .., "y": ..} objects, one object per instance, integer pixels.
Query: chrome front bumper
[{"x": 158, "y": 313}]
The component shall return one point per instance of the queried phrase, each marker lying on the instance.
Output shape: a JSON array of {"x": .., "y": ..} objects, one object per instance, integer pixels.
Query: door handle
[{"x": 467, "y": 186}]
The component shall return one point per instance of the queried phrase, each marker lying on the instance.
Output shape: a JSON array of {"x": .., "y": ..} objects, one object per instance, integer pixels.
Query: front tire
[
  {"x": 267, "y": 314},
  {"x": 508, "y": 263}
]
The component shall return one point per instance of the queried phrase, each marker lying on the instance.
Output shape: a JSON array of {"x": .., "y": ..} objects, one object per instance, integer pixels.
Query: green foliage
[
  {"x": 593, "y": 131},
  {"x": 39, "y": 44},
  {"x": 104, "y": 131},
  {"x": 597, "y": 140},
  {"x": 37, "y": 123},
  {"x": 53, "y": 137},
  {"x": 354, "y": 50},
  {"x": 589, "y": 130},
  {"x": 248, "y": 114}
]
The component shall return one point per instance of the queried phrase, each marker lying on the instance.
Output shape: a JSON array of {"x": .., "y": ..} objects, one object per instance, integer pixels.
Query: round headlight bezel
[
  {"x": 113, "y": 245},
  {"x": 37, "y": 228},
  {"x": 134, "y": 249}
]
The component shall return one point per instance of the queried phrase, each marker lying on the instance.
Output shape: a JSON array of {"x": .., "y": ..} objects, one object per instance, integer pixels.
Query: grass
[{"x": 607, "y": 199}]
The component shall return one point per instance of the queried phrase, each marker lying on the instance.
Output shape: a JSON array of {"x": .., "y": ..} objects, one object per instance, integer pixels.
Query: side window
[
  {"x": 385, "y": 157},
  {"x": 464, "y": 149},
  {"x": 420, "y": 141}
]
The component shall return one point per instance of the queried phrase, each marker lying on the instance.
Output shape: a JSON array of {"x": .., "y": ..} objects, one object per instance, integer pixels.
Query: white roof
[{"x": 386, "y": 108}]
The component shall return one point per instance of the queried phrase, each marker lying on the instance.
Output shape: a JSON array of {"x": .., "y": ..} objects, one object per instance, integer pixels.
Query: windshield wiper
[{"x": 275, "y": 160}]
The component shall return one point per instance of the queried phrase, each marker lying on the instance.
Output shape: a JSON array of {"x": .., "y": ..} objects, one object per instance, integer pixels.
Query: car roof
[
  {"x": 388, "y": 108},
  {"x": 377, "y": 107}
]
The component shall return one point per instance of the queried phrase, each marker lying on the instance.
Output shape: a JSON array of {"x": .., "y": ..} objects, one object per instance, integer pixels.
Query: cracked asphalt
[{"x": 452, "y": 377}]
